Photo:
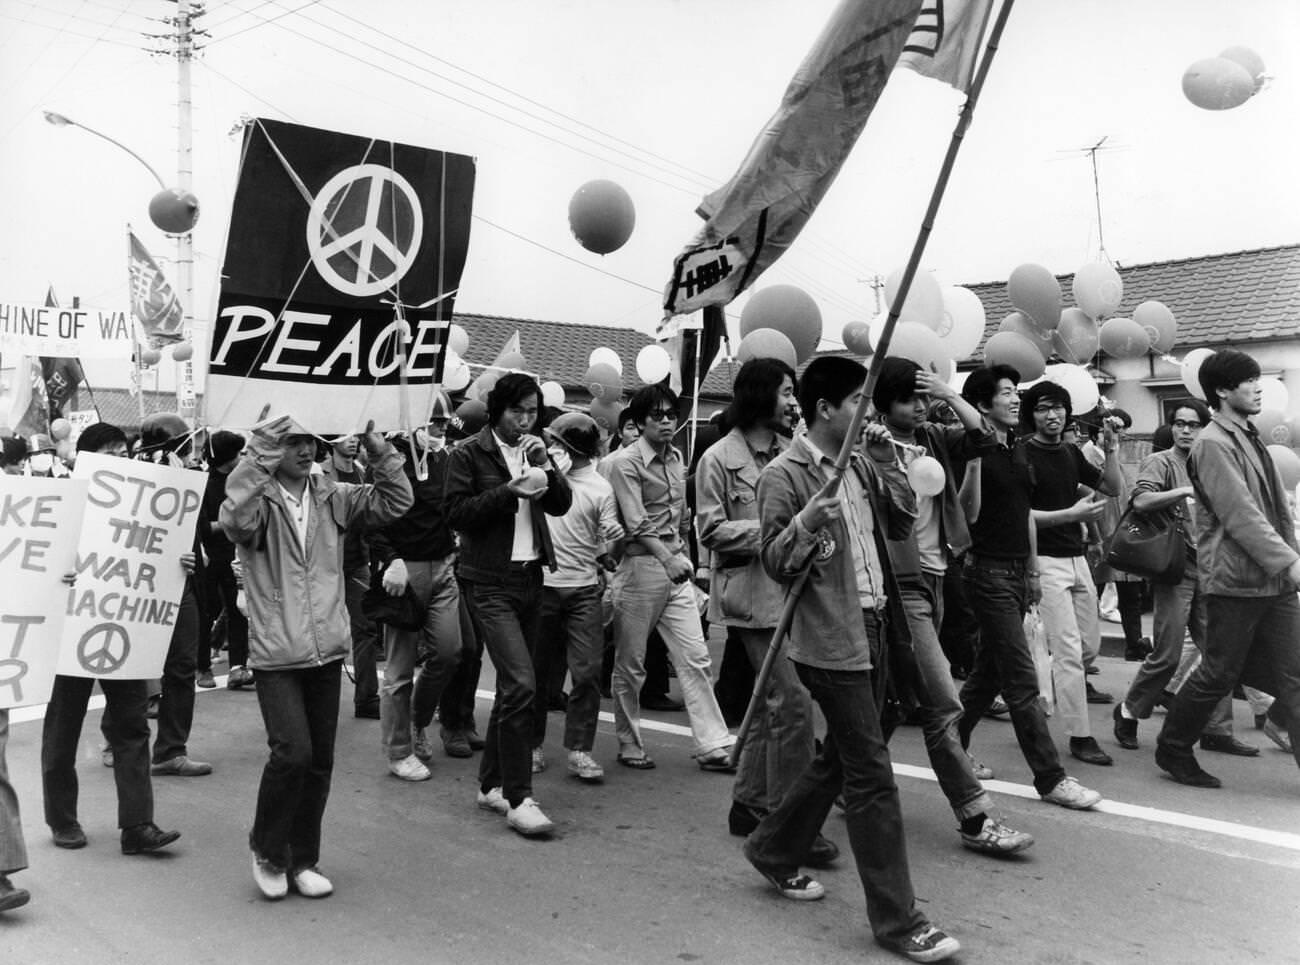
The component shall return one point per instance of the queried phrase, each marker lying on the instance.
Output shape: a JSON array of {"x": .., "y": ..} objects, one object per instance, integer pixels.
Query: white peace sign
[{"x": 353, "y": 232}]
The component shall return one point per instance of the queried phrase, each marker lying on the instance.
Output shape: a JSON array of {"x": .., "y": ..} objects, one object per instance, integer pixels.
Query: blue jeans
[
  {"x": 13, "y": 849},
  {"x": 781, "y": 744},
  {"x": 1248, "y": 639},
  {"x": 456, "y": 705},
  {"x": 435, "y": 647},
  {"x": 300, "y": 709},
  {"x": 571, "y": 630},
  {"x": 855, "y": 760},
  {"x": 127, "y": 731},
  {"x": 940, "y": 709},
  {"x": 506, "y": 617},
  {"x": 998, "y": 595}
]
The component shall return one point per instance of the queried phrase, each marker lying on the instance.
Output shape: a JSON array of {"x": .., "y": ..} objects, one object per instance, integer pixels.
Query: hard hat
[{"x": 577, "y": 432}]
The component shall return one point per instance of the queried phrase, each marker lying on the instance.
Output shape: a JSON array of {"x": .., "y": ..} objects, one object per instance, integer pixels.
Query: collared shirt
[
  {"x": 524, "y": 548},
  {"x": 299, "y": 510},
  {"x": 929, "y": 541},
  {"x": 585, "y": 531},
  {"x": 650, "y": 490},
  {"x": 861, "y": 524}
]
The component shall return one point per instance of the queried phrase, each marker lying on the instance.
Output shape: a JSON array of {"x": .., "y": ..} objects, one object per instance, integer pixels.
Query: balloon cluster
[{"x": 1226, "y": 81}]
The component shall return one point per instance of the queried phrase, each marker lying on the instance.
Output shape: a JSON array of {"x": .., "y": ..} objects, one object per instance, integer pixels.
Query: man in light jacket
[
  {"x": 288, "y": 526},
  {"x": 1248, "y": 568}
]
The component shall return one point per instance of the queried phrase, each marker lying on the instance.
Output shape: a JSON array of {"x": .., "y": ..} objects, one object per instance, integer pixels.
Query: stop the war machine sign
[
  {"x": 343, "y": 258},
  {"x": 39, "y": 522},
  {"x": 121, "y": 612}
]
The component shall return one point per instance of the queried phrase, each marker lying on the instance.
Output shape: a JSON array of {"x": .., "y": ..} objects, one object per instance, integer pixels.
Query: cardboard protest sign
[
  {"x": 140, "y": 517},
  {"x": 87, "y": 333},
  {"x": 39, "y": 522},
  {"x": 328, "y": 234}
]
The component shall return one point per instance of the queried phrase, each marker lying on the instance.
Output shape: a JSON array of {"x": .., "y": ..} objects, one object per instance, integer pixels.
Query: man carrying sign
[
  {"x": 127, "y": 732},
  {"x": 288, "y": 526}
]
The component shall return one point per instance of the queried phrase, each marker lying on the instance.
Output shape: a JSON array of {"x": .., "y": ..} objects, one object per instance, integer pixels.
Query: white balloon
[
  {"x": 926, "y": 475},
  {"x": 552, "y": 394},
  {"x": 457, "y": 339},
  {"x": 1190, "y": 369},
  {"x": 606, "y": 355},
  {"x": 1078, "y": 381},
  {"x": 653, "y": 364},
  {"x": 963, "y": 321},
  {"x": 924, "y": 302},
  {"x": 1275, "y": 395},
  {"x": 455, "y": 373}
]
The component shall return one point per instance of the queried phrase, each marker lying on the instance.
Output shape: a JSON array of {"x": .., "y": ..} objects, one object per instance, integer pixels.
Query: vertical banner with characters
[
  {"x": 39, "y": 523},
  {"x": 343, "y": 258},
  {"x": 140, "y": 518}
]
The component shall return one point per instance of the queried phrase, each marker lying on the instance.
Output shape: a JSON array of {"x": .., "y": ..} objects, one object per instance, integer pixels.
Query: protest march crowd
[{"x": 947, "y": 569}]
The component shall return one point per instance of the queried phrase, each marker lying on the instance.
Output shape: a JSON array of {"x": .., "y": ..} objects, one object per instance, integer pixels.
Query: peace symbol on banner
[
  {"x": 364, "y": 229},
  {"x": 103, "y": 648}
]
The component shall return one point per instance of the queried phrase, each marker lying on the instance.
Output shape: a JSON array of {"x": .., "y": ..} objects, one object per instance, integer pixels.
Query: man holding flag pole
[{"x": 750, "y": 222}]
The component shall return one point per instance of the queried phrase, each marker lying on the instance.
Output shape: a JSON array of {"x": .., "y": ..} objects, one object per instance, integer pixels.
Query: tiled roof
[
  {"x": 1242, "y": 296},
  {"x": 553, "y": 350},
  {"x": 119, "y": 407}
]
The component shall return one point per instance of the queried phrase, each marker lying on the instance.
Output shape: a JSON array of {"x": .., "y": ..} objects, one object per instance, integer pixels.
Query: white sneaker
[
  {"x": 493, "y": 800},
  {"x": 539, "y": 760},
  {"x": 423, "y": 746},
  {"x": 271, "y": 881},
  {"x": 1071, "y": 794},
  {"x": 584, "y": 767},
  {"x": 310, "y": 883},
  {"x": 409, "y": 768},
  {"x": 528, "y": 819}
]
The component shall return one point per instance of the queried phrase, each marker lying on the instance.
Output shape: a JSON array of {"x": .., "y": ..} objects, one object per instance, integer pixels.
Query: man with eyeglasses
[
  {"x": 653, "y": 587},
  {"x": 1248, "y": 569},
  {"x": 1064, "y": 499}
]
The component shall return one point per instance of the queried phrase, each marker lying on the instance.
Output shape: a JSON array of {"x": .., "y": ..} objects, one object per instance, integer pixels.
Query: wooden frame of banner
[{"x": 758, "y": 697}]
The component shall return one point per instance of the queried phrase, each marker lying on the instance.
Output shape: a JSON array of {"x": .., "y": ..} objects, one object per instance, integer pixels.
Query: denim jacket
[{"x": 827, "y": 629}]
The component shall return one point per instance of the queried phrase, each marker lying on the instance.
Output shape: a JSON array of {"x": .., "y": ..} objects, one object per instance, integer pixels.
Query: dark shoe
[
  {"x": 1228, "y": 745},
  {"x": 11, "y": 897},
  {"x": 145, "y": 838},
  {"x": 1096, "y": 696},
  {"x": 1091, "y": 671},
  {"x": 822, "y": 853},
  {"x": 455, "y": 743},
  {"x": 642, "y": 763},
  {"x": 928, "y": 944},
  {"x": 718, "y": 761},
  {"x": 476, "y": 743},
  {"x": 661, "y": 702},
  {"x": 181, "y": 766},
  {"x": 998, "y": 709},
  {"x": 1087, "y": 750},
  {"x": 1184, "y": 769},
  {"x": 367, "y": 711},
  {"x": 71, "y": 837},
  {"x": 788, "y": 881},
  {"x": 743, "y": 819},
  {"x": 239, "y": 678},
  {"x": 1126, "y": 731},
  {"x": 204, "y": 680}
]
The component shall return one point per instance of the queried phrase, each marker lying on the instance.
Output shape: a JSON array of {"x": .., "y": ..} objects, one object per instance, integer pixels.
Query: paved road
[{"x": 642, "y": 870}]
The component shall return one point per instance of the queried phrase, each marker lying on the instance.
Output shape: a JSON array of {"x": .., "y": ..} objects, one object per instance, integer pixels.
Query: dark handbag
[
  {"x": 400, "y": 612},
  {"x": 1149, "y": 545}
]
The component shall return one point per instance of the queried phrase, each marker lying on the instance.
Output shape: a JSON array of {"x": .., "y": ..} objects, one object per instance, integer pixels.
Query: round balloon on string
[
  {"x": 1097, "y": 289},
  {"x": 1123, "y": 338},
  {"x": 1288, "y": 465},
  {"x": 1024, "y": 325},
  {"x": 1190, "y": 369},
  {"x": 455, "y": 373},
  {"x": 926, "y": 476},
  {"x": 552, "y": 394},
  {"x": 767, "y": 343},
  {"x": 924, "y": 302},
  {"x": 1075, "y": 337},
  {"x": 1218, "y": 84},
  {"x": 963, "y": 321},
  {"x": 1017, "y": 351},
  {"x": 857, "y": 338},
  {"x": 174, "y": 211},
  {"x": 1078, "y": 382},
  {"x": 472, "y": 415},
  {"x": 922, "y": 345},
  {"x": 1036, "y": 292},
  {"x": 606, "y": 413},
  {"x": 603, "y": 381},
  {"x": 60, "y": 429},
  {"x": 182, "y": 352},
  {"x": 1159, "y": 323},
  {"x": 457, "y": 339},
  {"x": 790, "y": 311},
  {"x": 653, "y": 363},
  {"x": 608, "y": 356},
  {"x": 1273, "y": 427},
  {"x": 1274, "y": 395},
  {"x": 151, "y": 356},
  {"x": 1248, "y": 59},
  {"x": 601, "y": 216}
]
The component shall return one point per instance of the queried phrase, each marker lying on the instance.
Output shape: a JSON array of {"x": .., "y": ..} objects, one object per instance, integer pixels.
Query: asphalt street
[{"x": 642, "y": 870}]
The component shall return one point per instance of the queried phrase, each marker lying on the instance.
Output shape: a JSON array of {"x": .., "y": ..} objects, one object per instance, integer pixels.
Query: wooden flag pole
[{"x": 758, "y": 697}]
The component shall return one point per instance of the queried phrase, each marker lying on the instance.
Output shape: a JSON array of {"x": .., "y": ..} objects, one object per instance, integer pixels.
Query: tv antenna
[{"x": 1092, "y": 153}]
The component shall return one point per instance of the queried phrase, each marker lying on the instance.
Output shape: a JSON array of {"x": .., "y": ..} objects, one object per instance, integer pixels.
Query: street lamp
[{"x": 62, "y": 120}]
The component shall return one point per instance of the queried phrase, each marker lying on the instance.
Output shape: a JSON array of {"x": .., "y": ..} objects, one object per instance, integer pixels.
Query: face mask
[{"x": 563, "y": 463}]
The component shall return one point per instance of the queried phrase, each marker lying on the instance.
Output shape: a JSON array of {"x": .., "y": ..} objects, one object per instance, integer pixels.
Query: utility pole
[{"x": 186, "y": 14}]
